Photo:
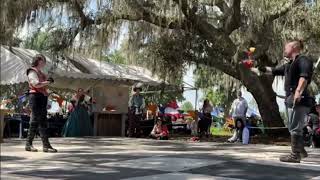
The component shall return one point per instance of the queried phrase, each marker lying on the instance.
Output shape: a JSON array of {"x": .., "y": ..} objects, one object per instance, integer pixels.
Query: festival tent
[
  {"x": 14, "y": 64},
  {"x": 73, "y": 72},
  {"x": 109, "y": 83}
]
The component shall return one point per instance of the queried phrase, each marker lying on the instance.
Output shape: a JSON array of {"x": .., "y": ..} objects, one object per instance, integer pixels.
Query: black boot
[
  {"x": 295, "y": 155},
  {"x": 303, "y": 152},
  {"x": 50, "y": 149},
  {"x": 30, "y": 148},
  {"x": 30, "y": 137},
  {"x": 47, "y": 147}
]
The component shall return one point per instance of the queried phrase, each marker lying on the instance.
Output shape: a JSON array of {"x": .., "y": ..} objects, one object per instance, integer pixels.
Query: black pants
[
  {"x": 38, "y": 104},
  {"x": 134, "y": 124},
  {"x": 205, "y": 123}
]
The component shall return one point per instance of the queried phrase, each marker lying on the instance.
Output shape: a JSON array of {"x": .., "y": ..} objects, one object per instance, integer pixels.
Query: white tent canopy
[{"x": 71, "y": 72}]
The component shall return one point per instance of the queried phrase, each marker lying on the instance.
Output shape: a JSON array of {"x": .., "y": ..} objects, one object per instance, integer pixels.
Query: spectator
[
  {"x": 71, "y": 106},
  {"x": 78, "y": 123},
  {"x": 239, "y": 108},
  {"x": 152, "y": 110},
  {"x": 313, "y": 126},
  {"x": 206, "y": 120},
  {"x": 159, "y": 131},
  {"x": 136, "y": 107},
  {"x": 241, "y": 133}
]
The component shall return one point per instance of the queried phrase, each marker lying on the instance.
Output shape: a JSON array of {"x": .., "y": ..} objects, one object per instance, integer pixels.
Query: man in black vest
[
  {"x": 38, "y": 83},
  {"x": 298, "y": 73}
]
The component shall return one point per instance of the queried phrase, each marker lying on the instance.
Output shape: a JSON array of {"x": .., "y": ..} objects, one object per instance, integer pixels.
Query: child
[
  {"x": 241, "y": 133},
  {"x": 159, "y": 131}
]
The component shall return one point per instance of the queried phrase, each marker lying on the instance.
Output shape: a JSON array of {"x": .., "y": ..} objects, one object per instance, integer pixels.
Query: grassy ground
[{"x": 220, "y": 132}]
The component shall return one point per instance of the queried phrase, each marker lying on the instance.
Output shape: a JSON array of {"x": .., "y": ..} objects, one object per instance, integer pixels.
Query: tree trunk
[
  {"x": 266, "y": 99},
  {"x": 269, "y": 112}
]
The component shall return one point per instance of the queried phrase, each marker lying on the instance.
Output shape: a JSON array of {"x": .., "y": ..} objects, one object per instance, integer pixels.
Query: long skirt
[{"x": 78, "y": 123}]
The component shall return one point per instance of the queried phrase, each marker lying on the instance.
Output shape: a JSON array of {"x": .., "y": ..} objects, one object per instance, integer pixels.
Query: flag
[{"x": 22, "y": 99}]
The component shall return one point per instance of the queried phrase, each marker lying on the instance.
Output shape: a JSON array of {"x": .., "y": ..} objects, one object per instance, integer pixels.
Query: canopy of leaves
[
  {"x": 165, "y": 36},
  {"x": 98, "y": 23},
  {"x": 187, "y": 106},
  {"x": 216, "y": 97}
]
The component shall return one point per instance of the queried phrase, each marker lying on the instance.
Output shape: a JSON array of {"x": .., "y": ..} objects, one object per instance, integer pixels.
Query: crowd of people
[{"x": 299, "y": 103}]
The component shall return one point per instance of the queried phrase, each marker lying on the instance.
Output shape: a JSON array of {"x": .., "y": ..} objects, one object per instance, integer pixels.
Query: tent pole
[{"x": 195, "y": 104}]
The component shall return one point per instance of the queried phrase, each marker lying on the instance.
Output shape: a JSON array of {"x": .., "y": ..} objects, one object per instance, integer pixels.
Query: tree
[
  {"x": 216, "y": 97},
  {"x": 187, "y": 106},
  {"x": 222, "y": 84},
  {"x": 115, "y": 57},
  {"x": 38, "y": 41},
  {"x": 209, "y": 33}
]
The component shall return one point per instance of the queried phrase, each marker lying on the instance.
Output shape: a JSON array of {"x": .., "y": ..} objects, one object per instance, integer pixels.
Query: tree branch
[
  {"x": 220, "y": 40},
  {"x": 144, "y": 14},
  {"x": 232, "y": 14},
  {"x": 222, "y": 5},
  {"x": 233, "y": 20},
  {"x": 151, "y": 18},
  {"x": 217, "y": 37},
  {"x": 283, "y": 12},
  {"x": 84, "y": 20}
]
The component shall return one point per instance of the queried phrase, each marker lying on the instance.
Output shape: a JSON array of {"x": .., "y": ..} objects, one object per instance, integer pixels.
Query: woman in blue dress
[{"x": 78, "y": 123}]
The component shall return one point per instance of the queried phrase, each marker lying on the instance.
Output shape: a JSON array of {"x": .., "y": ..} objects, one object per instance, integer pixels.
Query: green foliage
[
  {"x": 224, "y": 85},
  {"x": 188, "y": 40},
  {"x": 13, "y": 92},
  {"x": 220, "y": 132},
  {"x": 39, "y": 41},
  {"x": 216, "y": 97},
  {"x": 163, "y": 97},
  {"x": 55, "y": 40},
  {"x": 187, "y": 106},
  {"x": 115, "y": 57},
  {"x": 167, "y": 56}
]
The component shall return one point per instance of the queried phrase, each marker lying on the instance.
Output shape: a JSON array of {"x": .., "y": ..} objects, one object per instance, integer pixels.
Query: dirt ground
[{"x": 259, "y": 139}]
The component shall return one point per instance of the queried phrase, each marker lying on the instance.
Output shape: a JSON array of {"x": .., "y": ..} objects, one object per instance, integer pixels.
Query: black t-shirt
[{"x": 302, "y": 66}]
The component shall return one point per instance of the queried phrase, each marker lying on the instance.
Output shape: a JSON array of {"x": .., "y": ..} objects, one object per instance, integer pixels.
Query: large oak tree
[{"x": 171, "y": 33}]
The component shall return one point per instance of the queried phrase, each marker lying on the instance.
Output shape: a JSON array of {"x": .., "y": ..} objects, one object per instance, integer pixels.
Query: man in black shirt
[{"x": 298, "y": 73}]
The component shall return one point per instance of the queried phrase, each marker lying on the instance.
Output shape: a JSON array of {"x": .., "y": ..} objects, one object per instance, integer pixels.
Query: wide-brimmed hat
[{"x": 137, "y": 86}]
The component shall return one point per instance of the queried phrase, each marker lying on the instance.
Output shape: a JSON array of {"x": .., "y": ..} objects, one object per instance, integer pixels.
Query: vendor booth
[{"x": 109, "y": 84}]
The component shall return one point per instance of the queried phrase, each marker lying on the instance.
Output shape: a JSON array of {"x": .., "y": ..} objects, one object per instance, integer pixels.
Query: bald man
[{"x": 298, "y": 73}]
